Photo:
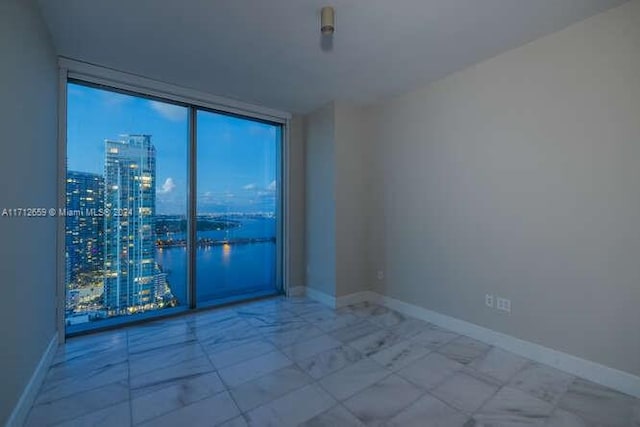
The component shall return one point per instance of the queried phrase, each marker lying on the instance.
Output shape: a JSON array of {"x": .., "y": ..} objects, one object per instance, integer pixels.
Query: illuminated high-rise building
[
  {"x": 129, "y": 250},
  {"x": 83, "y": 227}
]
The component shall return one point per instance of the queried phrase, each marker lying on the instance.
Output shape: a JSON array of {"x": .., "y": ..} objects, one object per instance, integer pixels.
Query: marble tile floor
[{"x": 292, "y": 361}]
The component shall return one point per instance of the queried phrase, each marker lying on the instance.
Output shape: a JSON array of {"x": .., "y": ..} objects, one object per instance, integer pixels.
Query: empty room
[{"x": 320, "y": 213}]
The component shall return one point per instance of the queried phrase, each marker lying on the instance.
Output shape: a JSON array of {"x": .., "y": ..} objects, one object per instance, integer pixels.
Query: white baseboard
[
  {"x": 356, "y": 298},
  {"x": 592, "y": 371},
  {"x": 20, "y": 412},
  {"x": 337, "y": 302},
  {"x": 295, "y": 291},
  {"x": 324, "y": 298}
]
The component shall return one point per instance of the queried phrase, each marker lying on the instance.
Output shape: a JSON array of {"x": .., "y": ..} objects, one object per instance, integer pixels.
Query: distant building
[
  {"x": 161, "y": 284},
  {"x": 84, "y": 231},
  {"x": 129, "y": 249}
]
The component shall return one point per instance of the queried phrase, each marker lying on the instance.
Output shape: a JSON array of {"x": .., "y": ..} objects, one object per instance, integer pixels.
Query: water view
[{"x": 126, "y": 206}]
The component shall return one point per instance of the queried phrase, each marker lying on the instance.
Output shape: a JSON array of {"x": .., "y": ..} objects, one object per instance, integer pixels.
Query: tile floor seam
[
  {"x": 316, "y": 383},
  {"x": 345, "y": 367},
  {"x": 468, "y": 364},
  {"x": 265, "y": 374},
  {"x": 262, "y": 376},
  {"x": 84, "y": 415},
  {"x": 444, "y": 379},
  {"x": 147, "y": 420},
  {"x": 288, "y": 392},
  {"x": 77, "y": 393},
  {"x": 466, "y": 414},
  {"x": 338, "y": 401},
  {"x": 477, "y": 411},
  {"x": 65, "y": 382},
  {"x": 503, "y": 386},
  {"x": 422, "y": 394},
  {"x": 147, "y": 372},
  {"x": 557, "y": 401},
  {"x": 470, "y": 370},
  {"x": 341, "y": 404},
  {"x": 498, "y": 389},
  {"x": 226, "y": 389},
  {"x": 473, "y": 413},
  {"x": 226, "y": 386}
]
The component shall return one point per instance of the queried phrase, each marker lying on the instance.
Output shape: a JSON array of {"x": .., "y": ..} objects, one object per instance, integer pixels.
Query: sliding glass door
[
  {"x": 237, "y": 206},
  {"x": 128, "y": 254}
]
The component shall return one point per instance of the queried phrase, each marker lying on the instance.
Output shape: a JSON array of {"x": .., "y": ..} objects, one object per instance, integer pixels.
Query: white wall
[
  {"x": 520, "y": 177},
  {"x": 338, "y": 194},
  {"x": 320, "y": 200},
  {"x": 352, "y": 187},
  {"x": 296, "y": 202},
  {"x": 28, "y": 128}
]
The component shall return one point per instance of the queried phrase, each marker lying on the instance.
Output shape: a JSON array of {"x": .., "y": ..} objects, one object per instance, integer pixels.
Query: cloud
[
  {"x": 251, "y": 186},
  {"x": 268, "y": 191},
  {"x": 172, "y": 112},
  {"x": 114, "y": 99},
  {"x": 215, "y": 195},
  {"x": 168, "y": 186}
]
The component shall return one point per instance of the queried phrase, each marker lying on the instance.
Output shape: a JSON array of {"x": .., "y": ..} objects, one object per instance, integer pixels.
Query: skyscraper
[
  {"x": 84, "y": 230},
  {"x": 129, "y": 231}
]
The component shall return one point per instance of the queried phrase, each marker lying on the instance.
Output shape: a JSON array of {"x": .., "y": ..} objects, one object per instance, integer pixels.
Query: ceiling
[{"x": 268, "y": 52}]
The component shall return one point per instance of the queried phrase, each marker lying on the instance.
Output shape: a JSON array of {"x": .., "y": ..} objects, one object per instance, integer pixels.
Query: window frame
[{"x": 71, "y": 71}]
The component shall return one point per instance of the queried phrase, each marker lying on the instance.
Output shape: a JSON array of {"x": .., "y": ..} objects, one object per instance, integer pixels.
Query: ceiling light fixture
[{"x": 327, "y": 21}]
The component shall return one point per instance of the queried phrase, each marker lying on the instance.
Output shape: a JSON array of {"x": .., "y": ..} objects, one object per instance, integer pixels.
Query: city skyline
[
  {"x": 237, "y": 166},
  {"x": 111, "y": 265},
  {"x": 127, "y": 155}
]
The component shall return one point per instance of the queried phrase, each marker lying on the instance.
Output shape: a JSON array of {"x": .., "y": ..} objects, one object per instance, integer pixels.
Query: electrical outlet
[
  {"x": 488, "y": 300},
  {"x": 503, "y": 304},
  {"x": 380, "y": 274}
]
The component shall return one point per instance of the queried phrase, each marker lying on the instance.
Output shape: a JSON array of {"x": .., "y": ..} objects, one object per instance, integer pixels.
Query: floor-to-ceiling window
[
  {"x": 237, "y": 199},
  {"x": 129, "y": 187}
]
